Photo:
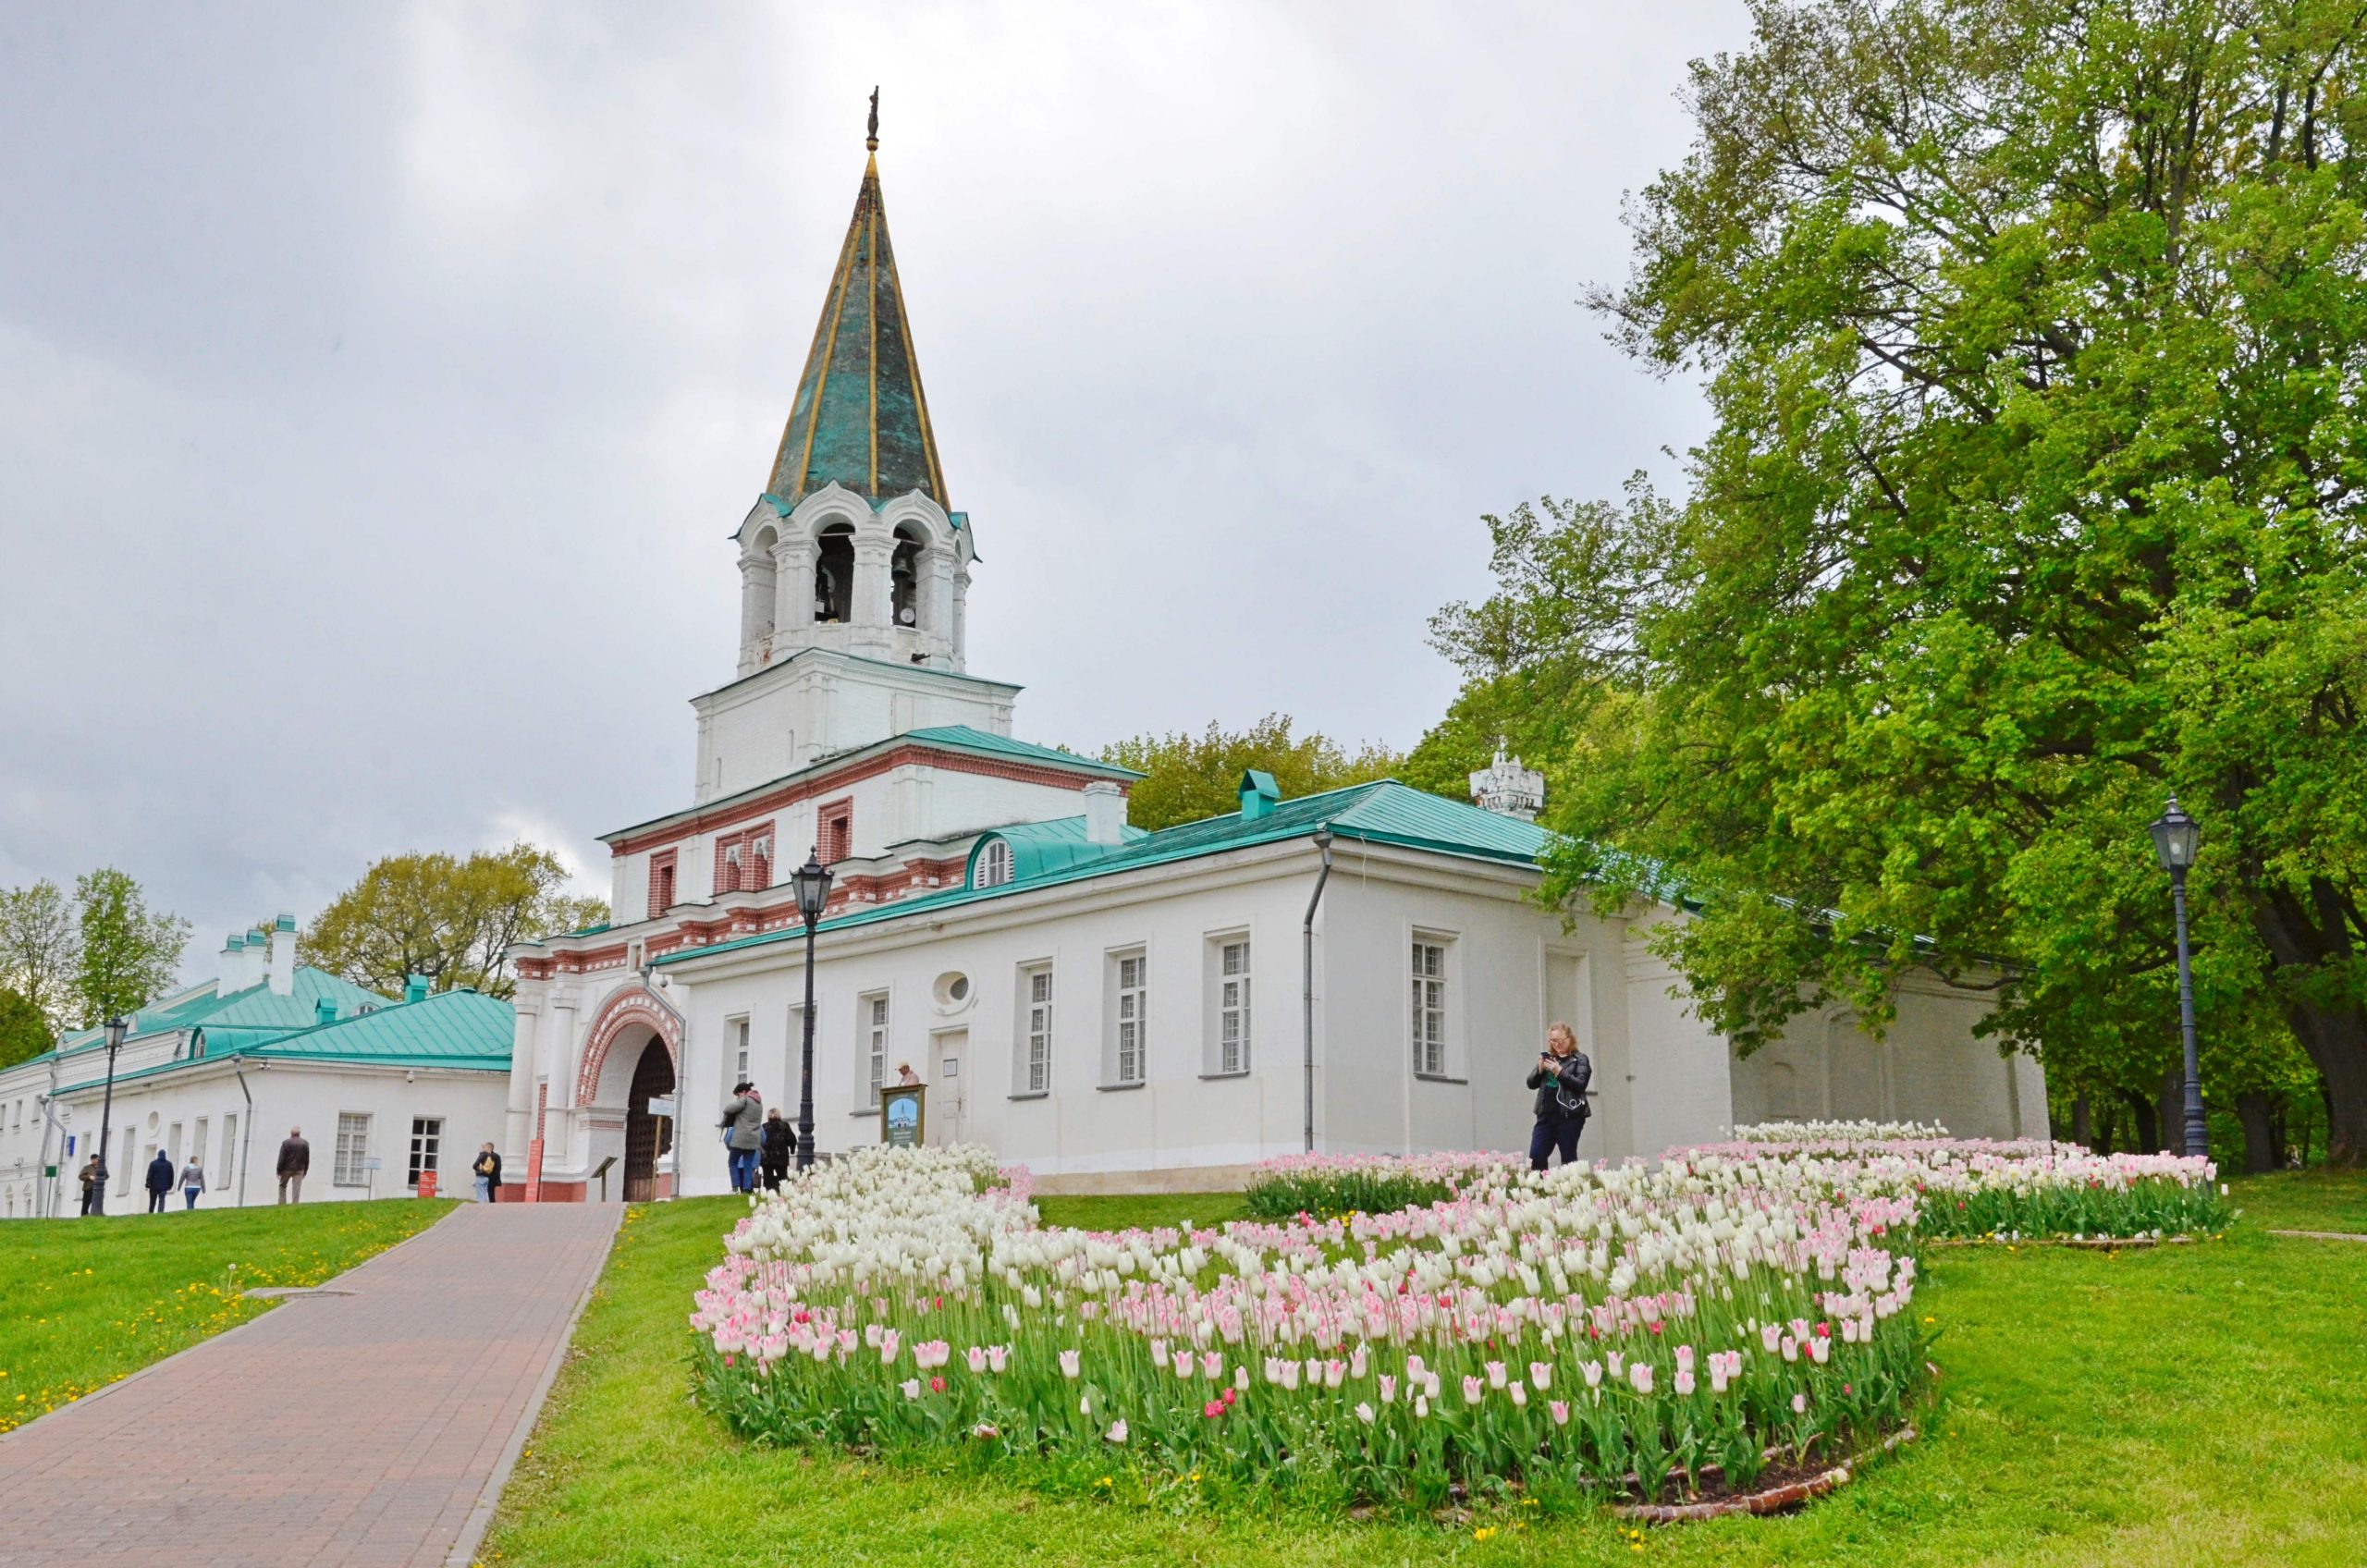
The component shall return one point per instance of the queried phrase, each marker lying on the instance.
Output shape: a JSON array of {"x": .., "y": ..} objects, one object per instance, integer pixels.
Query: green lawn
[
  {"x": 2185, "y": 1405},
  {"x": 90, "y": 1301}
]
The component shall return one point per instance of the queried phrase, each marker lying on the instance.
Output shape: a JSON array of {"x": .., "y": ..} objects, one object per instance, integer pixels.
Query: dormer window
[{"x": 994, "y": 866}]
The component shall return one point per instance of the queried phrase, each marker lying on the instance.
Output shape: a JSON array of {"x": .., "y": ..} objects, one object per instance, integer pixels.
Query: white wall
[{"x": 285, "y": 1094}]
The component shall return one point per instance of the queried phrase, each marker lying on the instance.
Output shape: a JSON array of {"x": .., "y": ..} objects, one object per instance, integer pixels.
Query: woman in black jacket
[
  {"x": 1560, "y": 1079},
  {"x": 778, "y": 1148}
]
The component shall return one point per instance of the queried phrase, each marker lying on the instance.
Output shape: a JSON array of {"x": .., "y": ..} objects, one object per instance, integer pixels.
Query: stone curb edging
[
  {"x": 2323, "y": 1236},
  {"x": 1773, "y": 1501},
  {"x": 137, "y": 1373},
  {"x": 480, "y": 1519}
]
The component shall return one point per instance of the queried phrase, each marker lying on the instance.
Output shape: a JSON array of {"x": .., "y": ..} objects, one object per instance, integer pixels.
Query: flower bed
[
  {"x": 1325, "y": 1186},
  {"x": 1596, "y": 1333}
]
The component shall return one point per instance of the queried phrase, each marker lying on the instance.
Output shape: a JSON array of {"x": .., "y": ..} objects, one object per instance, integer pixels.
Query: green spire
[{"x": 859, "y": 417}]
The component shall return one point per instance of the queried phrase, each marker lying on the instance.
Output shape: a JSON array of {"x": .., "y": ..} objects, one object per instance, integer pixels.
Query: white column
[
  {"x": 793, "y": 592},
  {"x": 756, "y": 618},
  {"x": 961, "y": 619},
  {"x": 869, "y": 612},
  {"x": 937, "y": 603},
  {"x": 561, "y": 1051},
  {"x": 518, "y": 1128}
]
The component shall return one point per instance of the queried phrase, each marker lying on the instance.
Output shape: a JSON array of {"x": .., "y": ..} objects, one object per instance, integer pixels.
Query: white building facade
[
  {"x": 1361, "y": 971},
  {"x": 385, "y": 1091}
]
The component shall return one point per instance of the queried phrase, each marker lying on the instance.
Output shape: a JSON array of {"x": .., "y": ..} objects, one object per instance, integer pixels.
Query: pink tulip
[
  {"x": 912, "y": 1386},
  {"x": 1592, "y": 1372},
  {"x": 1640, "y": 1375},
  {"x": 1388, "y": 1388},
  {"x": 1799, "y": 1405},
  {"x": 1183, "y": 1363},
  {"x": 976, "y": 1358},
  {"x": 1541, "y": 1373},
  {"x": 1118, "y": 1432},
  {"x": 1364, "y": 1414},
  {"x": 1472, "y": 1390},
  {"x": 1519, "y": 1392},
  {"x": 1560, "y": 1410},
  {"x": 1495, "y": 1374},
  {"x": 1684, "y": 1381},
  {"x": 1068, "y": 1364}
]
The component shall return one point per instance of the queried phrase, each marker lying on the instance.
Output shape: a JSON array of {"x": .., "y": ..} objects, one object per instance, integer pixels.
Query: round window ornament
[{"x": 953, "y": 990}]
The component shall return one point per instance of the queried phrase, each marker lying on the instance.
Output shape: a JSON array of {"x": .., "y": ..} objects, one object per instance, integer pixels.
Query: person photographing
[{"x": 1560, "y": 1079}]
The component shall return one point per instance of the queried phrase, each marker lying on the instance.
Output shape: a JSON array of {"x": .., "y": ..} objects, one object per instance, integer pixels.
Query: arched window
[
  {"x": 904, "y": 583},
  {"x": 834, "y": 575},
  {"x": 994, "y": 866}
]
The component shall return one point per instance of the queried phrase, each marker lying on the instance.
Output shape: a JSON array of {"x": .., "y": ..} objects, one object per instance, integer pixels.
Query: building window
[
  {"x": 222, "y": 1173},
  {"x": 727, "y": 867},
  {"x": 760, "y": 858},
  {"x": 994, "y": 866},
  {"x": 1428, "y": 1019},
  {"x": 1035, "y": 1029},
  {"x": 426, "y": 1142},
  {"x": 662, "y": 882},
  {"x": 352, "y": 1148},
  {"x": 131, "y": 1147},
  {"x": 197, "y": 1139},
  {"x": 173, "y": 1145},
  {"x": 1129, "y": 993},
  {"x": 834, "y": 836},
  {"x": 738, "y": 1029},
  {"x": 872, "y": 1011},
  {"x": 1233, "y": 1005}
]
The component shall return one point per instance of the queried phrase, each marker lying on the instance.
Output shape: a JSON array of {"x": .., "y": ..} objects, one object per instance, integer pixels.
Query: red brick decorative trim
[
  {"x": 836, "y": 782},
  {"x": 632, "y": 1006},
  {"x": 665, "y": 888}
]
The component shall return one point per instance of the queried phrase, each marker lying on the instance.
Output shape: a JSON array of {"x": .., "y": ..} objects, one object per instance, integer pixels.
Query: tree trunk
[
  {"x": 2172, "y": 1110},
  {"x": 2140, "y": 1111},
  {"x": 2082, "y": 1121},
  {"x": 2260, "y": 1132},
  {"x": 2337, "y": 1044}
]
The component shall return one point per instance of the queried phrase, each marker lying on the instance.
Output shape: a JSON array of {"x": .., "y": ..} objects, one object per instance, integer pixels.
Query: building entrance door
[
  {"x": 949, "y": 1085},
  {"x": 646, "y": 1137}
]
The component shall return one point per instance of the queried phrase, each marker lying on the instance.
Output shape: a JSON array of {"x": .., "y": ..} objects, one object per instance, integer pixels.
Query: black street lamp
[
  {"x": 117, "y": 1029},
  {"x": 2176, "y": 837},
  {"x": 812, "y": 881}
]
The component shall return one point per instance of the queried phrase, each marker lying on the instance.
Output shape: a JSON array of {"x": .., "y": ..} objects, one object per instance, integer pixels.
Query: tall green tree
[
  {"x": 450, "y": 918},
  {"x": 127, "y": 953},
  {"x": 1187, "y": 776},
  {"x": 24, "y": 1029},
  {"x": 2035, "y": 333},
  {"x": 40, "y": 949}
]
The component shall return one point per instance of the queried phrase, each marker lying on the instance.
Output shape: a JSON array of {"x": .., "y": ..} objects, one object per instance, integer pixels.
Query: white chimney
[
  {"x": 1507, "y": 789},
  {"x": 234, "y": 965},
  {"x": 283, "y": 956},
  {"x": 1104, "y": 813}
]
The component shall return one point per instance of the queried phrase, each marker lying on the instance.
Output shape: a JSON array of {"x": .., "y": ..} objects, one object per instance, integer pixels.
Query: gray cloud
[{"x": 378, "y": 384}]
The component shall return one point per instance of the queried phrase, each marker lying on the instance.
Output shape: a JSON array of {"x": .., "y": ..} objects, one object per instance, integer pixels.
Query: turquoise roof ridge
[
  {"x": 859, "y": 418},
  {"x": 1382, "y": 812},
  {"x": 451, "y": 1029},
  {"x": 968, "y": 739}
]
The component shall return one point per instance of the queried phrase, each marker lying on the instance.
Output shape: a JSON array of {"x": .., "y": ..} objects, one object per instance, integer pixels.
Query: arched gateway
[{"x": 631, "y": 1056}]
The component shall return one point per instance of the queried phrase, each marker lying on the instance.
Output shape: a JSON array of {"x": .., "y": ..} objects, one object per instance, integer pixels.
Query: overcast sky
[{"x": 379, "y": 384}]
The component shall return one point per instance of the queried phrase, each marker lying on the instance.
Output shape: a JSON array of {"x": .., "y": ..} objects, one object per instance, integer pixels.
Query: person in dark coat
[
  {"x": 1560, "y": 1079},
  {"x": 486, "y": 1167},
  {"x": 743, "y": 1121},
  {"x": 160, "y": 1182},
  {"x": 90, "y": 1178},
  {"x": 780, "y": 1147},
  {"x": 295, "y": 1158}
]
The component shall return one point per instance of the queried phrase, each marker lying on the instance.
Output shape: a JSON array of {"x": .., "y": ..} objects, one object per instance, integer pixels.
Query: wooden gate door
[{"x": 646, "y": 1139}]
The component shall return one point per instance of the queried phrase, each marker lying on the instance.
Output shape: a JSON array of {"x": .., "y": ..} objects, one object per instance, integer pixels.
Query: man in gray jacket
[{"x": 744, "y": 1134}]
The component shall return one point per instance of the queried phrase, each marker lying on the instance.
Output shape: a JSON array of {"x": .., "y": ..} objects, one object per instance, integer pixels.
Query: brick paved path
[{"x": 355, "y": 1430}]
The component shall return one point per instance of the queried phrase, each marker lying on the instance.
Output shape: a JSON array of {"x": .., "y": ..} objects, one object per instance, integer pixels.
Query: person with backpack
[
  {"x": 780, "y": 1147},
  {"x": 743, "y": 1120},
  {"x": 487, "y": 1168},
  {"x": 1560, "y": 1079}
]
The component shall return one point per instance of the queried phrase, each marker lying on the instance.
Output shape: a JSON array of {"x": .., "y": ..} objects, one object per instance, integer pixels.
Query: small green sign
[{"x": 902, "y": 1115}]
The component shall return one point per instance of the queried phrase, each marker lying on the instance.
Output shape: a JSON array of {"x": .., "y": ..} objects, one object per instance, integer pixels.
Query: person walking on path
[
  {"x": 780, "y": 1146},
  {"x": 192, "y": 1180},
  {"x": 160, "y": 1181},
  {"x": 743, "y": 1120},
  {"x": 487, "y": 1168},
  {"x": 1560, "y": 1079},
  {"x": 90, "y": 1178},
  {"x": 295, "y": 1158}
]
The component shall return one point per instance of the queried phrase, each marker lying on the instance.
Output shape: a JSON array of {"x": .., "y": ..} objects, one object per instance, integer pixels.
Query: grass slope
[
  {"x": 90, "y": 1301},
  {"x": 2188, "y": 1405}
]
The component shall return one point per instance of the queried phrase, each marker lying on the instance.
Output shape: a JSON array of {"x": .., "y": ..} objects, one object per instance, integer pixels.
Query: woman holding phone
[{"x": 1560, "y": 1079}]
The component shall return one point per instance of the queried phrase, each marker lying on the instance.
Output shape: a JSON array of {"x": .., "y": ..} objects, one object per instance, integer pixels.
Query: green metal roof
[
  {"x": 859, "y": 418},
  {"x": 963, "y": 738},
  {"x": 1038, "y": 848},
  {"x": 1385, "y": 812},
  {"x": 253, "y": 1014},
  {"x": 453, "y": 1029}
]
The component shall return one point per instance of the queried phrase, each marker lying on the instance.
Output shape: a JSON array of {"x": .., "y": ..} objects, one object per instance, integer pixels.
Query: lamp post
[
  {"x": 813, "y": 883},
  {"x": 117, "y": 1029},
  {"x": 2176, "y": 837}
]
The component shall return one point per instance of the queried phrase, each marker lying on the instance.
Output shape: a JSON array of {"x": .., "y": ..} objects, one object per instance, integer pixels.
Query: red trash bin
[{"x": 427, "y": 1184}]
